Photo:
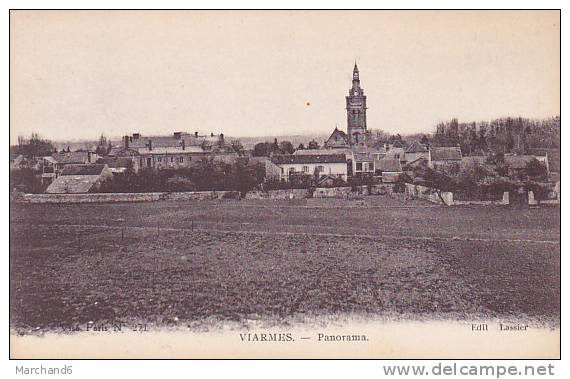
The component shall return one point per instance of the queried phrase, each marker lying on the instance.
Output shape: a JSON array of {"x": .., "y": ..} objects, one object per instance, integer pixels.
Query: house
[
  {"x": 82, "y": 178},
  {"x": 181, "y": 150},
  {"x": 389, "y": 169},
  {"x": 282, "y": 167},
  {"x": 117, "y": 165},
  {"x": 517, "y": 164},
  {"x": 395, "y": 153},
  {"x": 444, "y": 157},
  {"x": 55, "y": 163},
  {"x": 49, "y": 172},
  {"x": 363, "y": 163},
  {"x": 327, "y": 181},
  {"x": 416, "y": 151},
  {"x": 337, "y": 140}
]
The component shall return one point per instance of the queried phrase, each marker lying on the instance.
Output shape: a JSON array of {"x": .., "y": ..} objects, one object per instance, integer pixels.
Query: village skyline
[{"x": 116, "y": 75}]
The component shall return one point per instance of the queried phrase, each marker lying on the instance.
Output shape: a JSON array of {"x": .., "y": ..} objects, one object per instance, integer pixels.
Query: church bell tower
[{"x": 356, "y": 111}]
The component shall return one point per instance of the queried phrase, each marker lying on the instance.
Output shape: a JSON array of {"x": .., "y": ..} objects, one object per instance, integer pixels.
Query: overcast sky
[{"x": 76, "y": 74}]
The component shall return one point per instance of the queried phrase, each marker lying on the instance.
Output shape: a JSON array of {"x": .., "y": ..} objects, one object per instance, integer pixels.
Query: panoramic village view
[
  {"x": 188, "y": 228},
  {"x": 297, "y": 184}
]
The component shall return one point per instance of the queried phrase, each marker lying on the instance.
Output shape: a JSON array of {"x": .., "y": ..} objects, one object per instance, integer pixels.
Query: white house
[{"x": 282, "y": 167}]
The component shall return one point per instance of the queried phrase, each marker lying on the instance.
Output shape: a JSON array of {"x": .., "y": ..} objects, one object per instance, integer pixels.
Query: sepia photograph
[{"x": 285, "y": 184}]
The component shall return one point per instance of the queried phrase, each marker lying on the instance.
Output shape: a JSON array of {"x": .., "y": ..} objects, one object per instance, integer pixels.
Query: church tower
[{"x": 356, "y": 111}]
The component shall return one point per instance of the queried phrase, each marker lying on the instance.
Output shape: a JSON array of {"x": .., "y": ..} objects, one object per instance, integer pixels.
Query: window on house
[
  {"x": 320, "y": 168},
  {"x": 282, "y": 170},
  {"x": 359, "y": 166},
  {"x": 181, "y": 160},
  {"x": 291, "y": 170},
  {"x": 172, "y": 159},
  {"x": 159, "y": 159},
  {"x": 305, "y": 168}
]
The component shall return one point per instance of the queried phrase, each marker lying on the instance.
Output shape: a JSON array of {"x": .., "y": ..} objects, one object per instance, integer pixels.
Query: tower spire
[
  {"x": 355, "y": 75},
  {"x": 356, "y": 111}
]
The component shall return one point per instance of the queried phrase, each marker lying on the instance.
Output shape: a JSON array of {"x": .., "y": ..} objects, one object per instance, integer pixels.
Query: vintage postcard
[{"x": 285, "y": 184}]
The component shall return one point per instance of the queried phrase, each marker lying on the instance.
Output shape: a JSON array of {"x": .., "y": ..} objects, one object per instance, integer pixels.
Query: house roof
[
  {"x": 388, "y": 165},
  {"x": 363, "y": 157},
  {"x": 51, "y": 160},
  {"x": 170, "y": 150},
  {"x": 325, "y": 178},
  {"x": 115, "y": 162},
  {"x": 74, "y": 157},
  {"x": 445, "y": 153},
  {"x": 391, "y": 153},
  {"x": 416, "y": 147},
  {"x": 474, "y": 159},
  {"x": 322, "y": 152},
  {"x": 72, "y": 184},
  {"x": 83, "y": 169},
  {"x": 172, "y": 141},
  {"x": 296, "y": 159},
  {"x": 338, "y": 138},
  {"x": 121, "y": 151}
]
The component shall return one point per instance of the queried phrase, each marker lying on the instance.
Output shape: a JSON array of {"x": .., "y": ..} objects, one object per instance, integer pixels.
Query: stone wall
[
  {"x": 446, "y": 198},
  {"x": 121, "y": 197},
  {"x": 411, "y": 191},
  {"x": 344, "y": 192},
  {"x": 426, "y": 193},
  {"x": 279, "y": 194}
]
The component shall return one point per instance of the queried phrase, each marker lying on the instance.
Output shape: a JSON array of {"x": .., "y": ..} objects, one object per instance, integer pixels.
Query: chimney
[
  {"x": 212, "y": 134},
  {"x": 183, "y": 145},
  {"x": 126, "y": 138},
  {"x": 222, "y": 137},
  {"x": 195, "y": 134},
  {"x": 177, "y": 135},
  {"x": 149, "y": 145},
  {"x": 88, "y": 157},
  {"x": 136, "y": 135}
]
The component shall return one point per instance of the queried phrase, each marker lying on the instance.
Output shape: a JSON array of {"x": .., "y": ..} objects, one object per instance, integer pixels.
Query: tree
[
  {"x": 536, "y": 170},
  {"x": 103, "y": 146},
  {"x": 301, "y": 146},
  {"x": 286, "y": 147},
  {"x": 275, "y": 146},
  {"x": 35, "y": 146},
  {"x": 261, "y": 149},
  {"x": 313, "y": 145}
]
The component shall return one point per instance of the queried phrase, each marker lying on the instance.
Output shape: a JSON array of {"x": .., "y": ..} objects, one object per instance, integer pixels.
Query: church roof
[{"x": 338, "y": 138}]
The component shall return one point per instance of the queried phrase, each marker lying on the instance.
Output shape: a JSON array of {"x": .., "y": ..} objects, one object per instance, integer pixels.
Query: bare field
[{"x": 244, "y": 260}]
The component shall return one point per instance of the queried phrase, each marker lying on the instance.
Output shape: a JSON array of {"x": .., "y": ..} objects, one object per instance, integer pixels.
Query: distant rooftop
[
  {"x": 83, "y": 169},
  {"x": 293, "y": 159},
  {"x": 445, "y": 153}
]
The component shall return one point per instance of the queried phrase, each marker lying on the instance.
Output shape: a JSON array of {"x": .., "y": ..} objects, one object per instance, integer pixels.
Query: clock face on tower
[{"x": 356, "y": 93}]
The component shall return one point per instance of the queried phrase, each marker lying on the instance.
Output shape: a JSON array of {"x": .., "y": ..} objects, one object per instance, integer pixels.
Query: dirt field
[{"x": 202, "y": 262}]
